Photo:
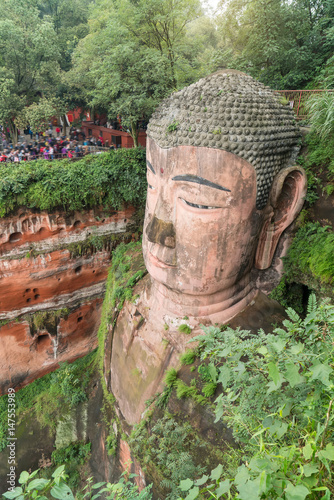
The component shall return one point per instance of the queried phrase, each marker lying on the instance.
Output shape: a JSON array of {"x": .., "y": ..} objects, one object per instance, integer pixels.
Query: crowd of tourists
[{"x": 48, "y": 147}]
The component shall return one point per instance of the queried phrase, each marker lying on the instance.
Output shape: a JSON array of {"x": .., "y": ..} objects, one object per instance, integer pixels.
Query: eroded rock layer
[{"x": 53, "y": 269}]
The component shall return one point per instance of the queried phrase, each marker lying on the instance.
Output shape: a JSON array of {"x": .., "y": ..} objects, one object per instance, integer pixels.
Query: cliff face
[{"x": 53, "y": 268}]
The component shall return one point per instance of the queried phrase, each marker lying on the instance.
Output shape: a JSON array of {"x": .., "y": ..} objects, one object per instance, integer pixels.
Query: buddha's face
[{"x": 201, "y": 224}]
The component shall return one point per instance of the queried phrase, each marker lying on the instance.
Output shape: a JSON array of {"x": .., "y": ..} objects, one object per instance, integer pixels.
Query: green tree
[
  {"x": 160, "y": 25},
  {"x": 137, "y": 52},
  {"x": 282, "y": 43},
  {"x": 28, "y": 58},
  {"x": 69, "y": 18}
]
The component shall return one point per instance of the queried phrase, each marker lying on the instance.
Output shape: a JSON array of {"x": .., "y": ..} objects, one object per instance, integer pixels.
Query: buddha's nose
[{"x": 162, "y": 232}]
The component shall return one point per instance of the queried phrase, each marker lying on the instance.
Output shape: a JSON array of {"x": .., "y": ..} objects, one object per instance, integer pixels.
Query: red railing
[{"x": 298, "y": 99}]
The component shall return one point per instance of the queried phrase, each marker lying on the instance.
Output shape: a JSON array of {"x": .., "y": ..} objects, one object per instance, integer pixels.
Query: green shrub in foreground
[
  {"x": 277, "y": 396},
  {"x": 32, "y": 487}
]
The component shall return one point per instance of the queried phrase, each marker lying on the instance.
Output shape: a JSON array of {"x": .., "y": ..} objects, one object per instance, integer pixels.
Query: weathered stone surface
[
  {"x": 43, "y": 231},
  {"x": 45, "y": 266},
  {"x": 50, "y": 281},
  {"x": 146, "y": 344},
  {"x": 26, "y": 355}
]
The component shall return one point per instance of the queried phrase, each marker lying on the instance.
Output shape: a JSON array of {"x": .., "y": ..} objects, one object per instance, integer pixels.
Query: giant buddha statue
[{"x": 222, "y": 188}]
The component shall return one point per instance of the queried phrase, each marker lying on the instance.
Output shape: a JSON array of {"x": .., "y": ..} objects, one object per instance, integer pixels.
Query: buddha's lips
[{"x": 159, "y": 263}]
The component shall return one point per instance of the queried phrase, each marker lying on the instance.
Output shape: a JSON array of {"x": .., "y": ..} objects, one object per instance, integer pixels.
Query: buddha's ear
[{"x": 285, "y": 202}]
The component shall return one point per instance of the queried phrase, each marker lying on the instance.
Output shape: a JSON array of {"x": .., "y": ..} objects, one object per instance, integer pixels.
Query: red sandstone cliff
[{"x": 53, "y": 268}]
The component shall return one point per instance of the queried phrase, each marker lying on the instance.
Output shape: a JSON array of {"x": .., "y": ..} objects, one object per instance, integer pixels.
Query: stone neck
[{"x": 218, "y": 308}]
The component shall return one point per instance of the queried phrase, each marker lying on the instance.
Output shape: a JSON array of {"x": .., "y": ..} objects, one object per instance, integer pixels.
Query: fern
[
  {"x": 293, "y": 315},
  {"x": 171, "y": 377},
  {"x": 312, "y": 304}
]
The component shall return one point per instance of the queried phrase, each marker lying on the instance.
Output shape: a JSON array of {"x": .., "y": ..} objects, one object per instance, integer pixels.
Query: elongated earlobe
[{"x": 285, "y": 202}]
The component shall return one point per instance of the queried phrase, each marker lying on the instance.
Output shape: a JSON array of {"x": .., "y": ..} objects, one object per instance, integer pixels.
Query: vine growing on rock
[{"x": 111, "y": 180}]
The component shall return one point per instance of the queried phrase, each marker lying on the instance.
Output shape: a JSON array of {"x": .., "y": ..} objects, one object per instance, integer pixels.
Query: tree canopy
[
  {"x": 283, "y": 43},
  {"x": 122, "y": 57}
]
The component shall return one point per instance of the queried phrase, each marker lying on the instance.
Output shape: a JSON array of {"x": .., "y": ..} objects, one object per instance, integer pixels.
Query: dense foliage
[
  {"x": 139, "y": 52},
  {"x": 316, "y": 258},
  {"x": 33, "y": 487},
  {"x": 284, "y": 44},
  {"x": 171, "y": 446},
  {"x": 277, "y": 393},
  {"x": 111, "y": 179},
  {"x": 121, "y": 57},
  {"x": 126, "y": 270},
  {"x": 48, "y": 396},
  {"x": 37, "y": 38}
]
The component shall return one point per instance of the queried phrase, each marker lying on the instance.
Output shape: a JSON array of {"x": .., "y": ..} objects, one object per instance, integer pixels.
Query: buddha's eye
[
  {"x": 151, "y": 187},
  {"x": 195, "y": 205}
]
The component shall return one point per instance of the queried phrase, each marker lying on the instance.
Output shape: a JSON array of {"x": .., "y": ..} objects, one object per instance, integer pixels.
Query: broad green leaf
[
  {"x": 307, "y": 451},
  {"x": 193, "y": 493},
  {"x": 186, "y": 484},
  {"x": 279, "y": 428},
  {"x": 297, "y": 348},
  {"x": 242, "y": 475},
  {"x": 249, "y": 490},
  {"x": 24, "y": 476},
  {"x": 310, "y": 469},
  {"x": 262, "y": 350},
  {"x": 98, "y": 485},
  {"x": 274, "y": 387},
  {"x": 13, "y": 494},
  {"x": 292, "y": 374},
  {"x": 217, "y": 472},
  {"x": 274, "y": 372},
  {"x": 328, "y": 452},
  {"x": 296, "y": 492},
  {"x": 223, "y": 487},
  {"x": 213, "y": 372},
  {"x": 321, "y": 372},
  {"x": 94, "y": 497},
  {"x": 224, "y": 376},
  {"x": 279, "y": 344},
  {"x": 37, "y": 484},
  {"x": 286, "y": 410},
  {"x": 33, "y": 474},
  {"x": 267, "y": 421},
  {"x": 62, "y": 492},
  {"x": 58, "y": 472},
  {"x": 202, "y": 480}
]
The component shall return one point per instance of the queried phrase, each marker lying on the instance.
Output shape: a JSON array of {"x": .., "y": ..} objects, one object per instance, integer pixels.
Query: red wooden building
[{"x": 116, "y": 137}]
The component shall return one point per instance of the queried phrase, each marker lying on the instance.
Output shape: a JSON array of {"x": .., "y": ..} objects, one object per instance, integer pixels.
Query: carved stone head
[{"x": 221, "y": 190}]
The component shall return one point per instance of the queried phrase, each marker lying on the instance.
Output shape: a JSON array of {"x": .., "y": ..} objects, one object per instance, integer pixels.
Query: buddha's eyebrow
[
  {"x": 150, "y": 166},
  {"x": 199, "y": 180}
]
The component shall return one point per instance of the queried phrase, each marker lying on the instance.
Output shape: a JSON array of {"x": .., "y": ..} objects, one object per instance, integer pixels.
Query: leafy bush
[
  {"x": 311, "y": 252},
  {"x": 57, "y": 487},
  {"x": 47, "y": 395},
  {"x": 277, "y": 397},
  {"x": 171, "y": 377},
  {"x": 170, "y": 446},
  {"x": 184, "y": 328},
  {"x": 188, "y": 357},
  {"x": 110, "y": 179},
  {"x": 75, "y": 453},
  {"x": 321, "y": 113}
]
